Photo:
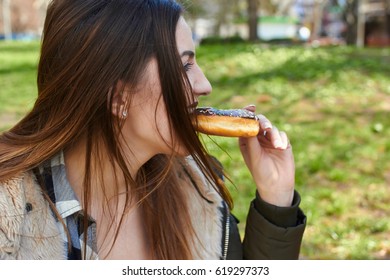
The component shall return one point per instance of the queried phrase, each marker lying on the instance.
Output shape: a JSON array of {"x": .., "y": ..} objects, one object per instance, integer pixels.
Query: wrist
[
  {"x": 279, "y": 216},
  {"x": 278, "y": 198}
]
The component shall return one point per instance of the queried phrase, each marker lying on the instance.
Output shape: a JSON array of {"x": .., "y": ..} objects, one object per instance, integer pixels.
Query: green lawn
[
  {"x": 334, "y": 104},
  {"x": 18, "y": 63}
]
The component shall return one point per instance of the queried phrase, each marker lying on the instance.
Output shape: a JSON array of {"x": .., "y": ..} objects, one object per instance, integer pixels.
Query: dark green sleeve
[{"x": 273, "y": 232}]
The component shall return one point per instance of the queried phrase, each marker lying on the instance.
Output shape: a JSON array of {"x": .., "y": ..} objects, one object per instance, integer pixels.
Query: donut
[{"x": 228, "y": 123}]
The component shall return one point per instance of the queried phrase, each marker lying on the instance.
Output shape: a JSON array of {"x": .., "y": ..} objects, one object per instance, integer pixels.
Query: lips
[{"x": 193, "y": 106}]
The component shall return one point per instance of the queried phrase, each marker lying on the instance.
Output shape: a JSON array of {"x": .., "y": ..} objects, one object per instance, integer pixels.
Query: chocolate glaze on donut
[
  {"x": 239, "y": 113},
  {"x": 229, "y": 123}
]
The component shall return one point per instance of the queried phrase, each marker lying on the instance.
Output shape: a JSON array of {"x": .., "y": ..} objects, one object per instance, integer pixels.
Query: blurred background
[
  {"x": 321, "y": 22},
  {"x": 318, "y": 69}
]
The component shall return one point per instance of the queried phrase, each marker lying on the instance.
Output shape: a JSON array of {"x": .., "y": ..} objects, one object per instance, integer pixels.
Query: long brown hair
[{"x": 87, "y": 47}]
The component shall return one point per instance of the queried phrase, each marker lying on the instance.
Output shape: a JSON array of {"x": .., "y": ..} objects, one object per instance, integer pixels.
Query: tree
[
  {"x": 253, "y": 6},
  {"x": 223, "y": 14},
  {"x": 6, "y": 7},
  {"x": 351, "y": 20},
  {"x": 271, "y": 7}
]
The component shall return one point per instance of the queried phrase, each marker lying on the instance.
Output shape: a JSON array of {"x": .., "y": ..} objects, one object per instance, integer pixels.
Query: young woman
[{"x": 108, "y": 165}]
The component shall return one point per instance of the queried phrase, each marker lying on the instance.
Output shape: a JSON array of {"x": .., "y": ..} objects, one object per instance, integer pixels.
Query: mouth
[{"x": 193, "y": 105}]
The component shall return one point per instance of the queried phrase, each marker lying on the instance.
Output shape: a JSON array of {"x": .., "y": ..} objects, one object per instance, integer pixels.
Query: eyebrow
[{"x": 189, "y": 53}]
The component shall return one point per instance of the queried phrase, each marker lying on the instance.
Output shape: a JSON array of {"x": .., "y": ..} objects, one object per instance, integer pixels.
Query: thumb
[{"x": 250, "y": 149}]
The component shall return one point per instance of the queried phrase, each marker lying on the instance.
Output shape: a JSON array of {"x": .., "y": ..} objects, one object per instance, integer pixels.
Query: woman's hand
[{"x": 270, "y": 160}]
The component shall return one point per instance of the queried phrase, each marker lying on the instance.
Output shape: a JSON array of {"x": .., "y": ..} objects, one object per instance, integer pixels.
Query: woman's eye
[{"x": 188, "y": 66}]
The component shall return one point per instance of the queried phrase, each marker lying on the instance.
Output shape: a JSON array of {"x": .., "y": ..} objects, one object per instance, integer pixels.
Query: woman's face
[{"x": 147, "y": 118}]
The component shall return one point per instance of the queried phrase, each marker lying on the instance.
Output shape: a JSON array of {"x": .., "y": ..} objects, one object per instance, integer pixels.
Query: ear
[{"x": 119, "y": 100}]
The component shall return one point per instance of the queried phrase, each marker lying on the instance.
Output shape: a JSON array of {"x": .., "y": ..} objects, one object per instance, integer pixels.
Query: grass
[
  {"x": 18, "y": 63},
  {"x": 334, "y": 103}
]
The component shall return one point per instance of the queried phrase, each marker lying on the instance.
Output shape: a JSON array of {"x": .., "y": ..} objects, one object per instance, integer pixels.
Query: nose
[{"x": 201, "y": 85}]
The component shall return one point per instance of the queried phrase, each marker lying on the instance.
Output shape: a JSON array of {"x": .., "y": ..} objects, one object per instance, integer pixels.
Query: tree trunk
[
  {"x": 351, "y": 20},
  {"x": 252, "y": 21},
  {"x": 7, "y": 19},
  {"x": 388, "y": 17}
]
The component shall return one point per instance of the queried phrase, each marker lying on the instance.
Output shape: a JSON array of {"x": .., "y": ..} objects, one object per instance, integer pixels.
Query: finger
[
  {"x": 248, "y": 148},
  {"x": 251, "y": 108},
  {"x": 267, "y": 139},
  {"x": 276, "y": 138},
  {"x": 242, "y": 142},
  {"x": 285, "y": 141},
  {"x": 265, "y": 124},
  {"x": 264, "y": 139}
]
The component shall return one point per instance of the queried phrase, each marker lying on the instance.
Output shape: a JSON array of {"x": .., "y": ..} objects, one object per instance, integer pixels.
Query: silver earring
[{"x": 124, "y": 114}]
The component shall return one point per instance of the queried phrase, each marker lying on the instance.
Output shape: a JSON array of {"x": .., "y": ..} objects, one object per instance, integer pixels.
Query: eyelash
[{"x": 188, "y": 66}]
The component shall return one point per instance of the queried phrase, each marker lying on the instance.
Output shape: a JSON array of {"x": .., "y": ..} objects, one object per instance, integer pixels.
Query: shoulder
[
  {"x": 15, "y": 191},
  {"x": 27, "y": 228},
  {"x": 16, "y": 195},
  {"x": 12, "y": 205},
  {"x": 12, "y": 193}
]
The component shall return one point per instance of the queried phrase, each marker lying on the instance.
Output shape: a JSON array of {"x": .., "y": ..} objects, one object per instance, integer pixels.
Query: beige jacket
[{"x": 28, "y": 229}]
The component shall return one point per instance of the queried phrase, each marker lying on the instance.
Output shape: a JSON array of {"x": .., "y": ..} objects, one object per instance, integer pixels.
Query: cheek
[
  {"x": 162, "y": 126},
  {"x": 167, "y": 133},
  {"x": 162, "y": 121}
]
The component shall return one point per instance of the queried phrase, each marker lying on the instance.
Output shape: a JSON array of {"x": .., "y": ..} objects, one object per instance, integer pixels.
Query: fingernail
[
  {"x": 267, "y": 125},
  {"x": 277, "y": 143},
  {"x": 251, "y": 107}
]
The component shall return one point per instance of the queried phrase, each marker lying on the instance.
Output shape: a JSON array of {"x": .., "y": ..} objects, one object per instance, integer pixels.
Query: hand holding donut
[
  {"x": 265, "y": 149},
  {"x": 270, "y": 160}
]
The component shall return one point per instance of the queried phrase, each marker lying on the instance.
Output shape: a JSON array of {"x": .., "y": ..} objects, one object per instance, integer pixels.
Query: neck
[
  {"x": 112, "y": 182},
  {"x": 108, "y": 200}
]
